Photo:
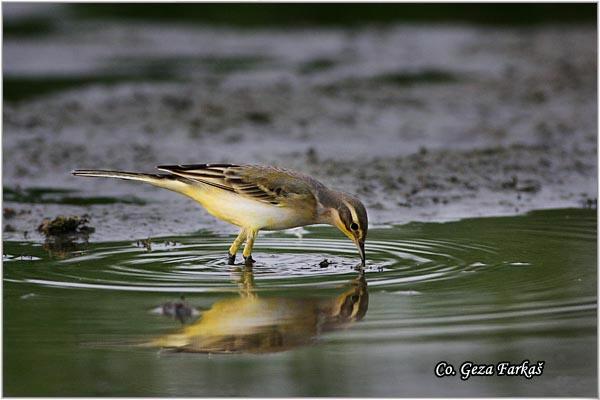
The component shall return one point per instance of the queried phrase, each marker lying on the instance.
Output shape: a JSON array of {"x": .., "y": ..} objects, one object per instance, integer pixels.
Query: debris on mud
[
  {"x": 8, "y": 212},
  {"x": 65, "y": 234},
  {"x": 66, "y": 225},
  {"x": 258, "y": 117},
  {"x": 590, "y": 203}
]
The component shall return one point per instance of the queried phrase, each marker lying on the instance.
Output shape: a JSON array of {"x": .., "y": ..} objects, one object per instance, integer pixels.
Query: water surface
[{"x": 80, "y": 322}]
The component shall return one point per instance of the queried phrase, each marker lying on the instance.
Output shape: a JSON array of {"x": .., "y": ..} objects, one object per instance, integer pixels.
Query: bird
[
  {"x": 255, "y": 198},
  {"x": 250, "y": 323}
]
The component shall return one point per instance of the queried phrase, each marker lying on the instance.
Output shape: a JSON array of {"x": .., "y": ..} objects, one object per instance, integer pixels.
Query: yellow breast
[{"x": 248, "y": 213}]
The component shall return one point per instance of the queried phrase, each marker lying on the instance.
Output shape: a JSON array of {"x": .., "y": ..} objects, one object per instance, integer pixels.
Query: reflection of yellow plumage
[{"x": 253, "y": 324}]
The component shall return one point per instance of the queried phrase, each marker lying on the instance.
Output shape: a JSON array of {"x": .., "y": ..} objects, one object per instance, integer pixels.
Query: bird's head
[{"x": 350, "y": 217}]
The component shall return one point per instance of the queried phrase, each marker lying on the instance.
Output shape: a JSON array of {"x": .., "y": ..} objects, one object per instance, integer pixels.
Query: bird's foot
[
  {"x": 360, "y": 268},
  {"x": 230, "y": 259},
  {"x": 249, "y": 260}
]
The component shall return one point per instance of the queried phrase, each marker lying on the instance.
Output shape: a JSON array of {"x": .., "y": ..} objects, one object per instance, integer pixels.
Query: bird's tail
[{"x": 167, "y": 181}]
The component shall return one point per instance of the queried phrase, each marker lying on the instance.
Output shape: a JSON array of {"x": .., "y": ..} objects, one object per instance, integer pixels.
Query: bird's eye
[{"x": 353, "y": 226}]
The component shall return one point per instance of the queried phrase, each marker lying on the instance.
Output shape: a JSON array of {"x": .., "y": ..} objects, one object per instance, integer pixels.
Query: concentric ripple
[
  {"x": 199, "y": 264},
  {"x": 490, "y": 289}
]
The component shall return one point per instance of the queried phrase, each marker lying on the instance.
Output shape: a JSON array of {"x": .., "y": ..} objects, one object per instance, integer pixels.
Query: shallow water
[{"x": 483, "y": 290}]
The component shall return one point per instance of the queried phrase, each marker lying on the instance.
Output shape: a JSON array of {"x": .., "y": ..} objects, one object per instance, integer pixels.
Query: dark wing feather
[
  {"x": 211, "y": 174},
  {"x": 267, "y": 184}
]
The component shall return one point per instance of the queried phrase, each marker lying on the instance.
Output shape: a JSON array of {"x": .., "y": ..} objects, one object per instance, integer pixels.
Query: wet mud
[{"x": 424, "y": 123}]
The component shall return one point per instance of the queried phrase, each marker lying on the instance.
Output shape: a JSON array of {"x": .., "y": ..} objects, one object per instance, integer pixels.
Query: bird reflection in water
[{"x": 253, "y": 324}]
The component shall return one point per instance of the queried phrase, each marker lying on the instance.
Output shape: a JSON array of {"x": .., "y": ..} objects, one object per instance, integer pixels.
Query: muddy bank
[
  {"x": 423, "y": 123},
  {"x": 427, "y": 186}
]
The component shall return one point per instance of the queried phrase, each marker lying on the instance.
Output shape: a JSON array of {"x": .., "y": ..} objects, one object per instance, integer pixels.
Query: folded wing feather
[{"x": 267, "y": 184}]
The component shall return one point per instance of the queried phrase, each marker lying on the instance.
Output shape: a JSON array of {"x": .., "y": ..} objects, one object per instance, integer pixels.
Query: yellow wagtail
[
  {"x": 249, "y": 323},
  {"x": 257, "y": 198}
]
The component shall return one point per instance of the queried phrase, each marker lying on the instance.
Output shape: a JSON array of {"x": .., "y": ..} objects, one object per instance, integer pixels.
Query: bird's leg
[
  {"x": 247, "y": 282},
  {"x": 235, "y": 246},
  {"x": 250, "y": 236}
]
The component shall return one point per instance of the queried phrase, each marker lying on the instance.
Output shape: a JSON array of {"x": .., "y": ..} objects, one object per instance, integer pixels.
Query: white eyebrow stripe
[{"x": 352, "y": 211}]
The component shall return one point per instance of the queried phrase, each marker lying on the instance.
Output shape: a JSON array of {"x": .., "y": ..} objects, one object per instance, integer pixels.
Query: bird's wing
[{"x": 267, "y": 184}]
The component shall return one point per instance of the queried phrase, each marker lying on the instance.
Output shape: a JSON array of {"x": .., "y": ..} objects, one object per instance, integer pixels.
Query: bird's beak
[{"x": 361, "y": 250}]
